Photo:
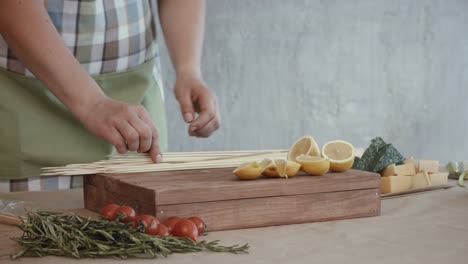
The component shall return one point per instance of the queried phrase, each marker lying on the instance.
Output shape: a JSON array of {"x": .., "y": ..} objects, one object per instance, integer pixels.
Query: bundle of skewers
[{"x": 172, "y": 161}]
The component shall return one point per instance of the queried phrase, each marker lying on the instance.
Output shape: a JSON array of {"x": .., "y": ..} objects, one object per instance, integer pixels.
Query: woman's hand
[
  {"x": 194, "y": 96},
  {"x": 126, "y": 126}
]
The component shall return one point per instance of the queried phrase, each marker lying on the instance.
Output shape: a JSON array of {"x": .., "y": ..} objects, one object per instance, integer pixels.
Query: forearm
[
  {"x": 182, "y": 22},
  {"x": 29, "y": 32}
]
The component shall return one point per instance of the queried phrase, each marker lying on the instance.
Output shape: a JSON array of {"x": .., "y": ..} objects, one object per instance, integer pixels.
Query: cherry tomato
[
  {"x": 145, "y": 220},
  {"x": 125, "y": 214},
  {"x": 132, "y": 225},
  {"x": 185, "y": 228},
  {"x": 162, "y": 230},
  {"x": 109, "y": 210},
  {"x": 198, "y": 223},
  {"x": 152, "y": 228},
  {"x": 171, "y": 222}
]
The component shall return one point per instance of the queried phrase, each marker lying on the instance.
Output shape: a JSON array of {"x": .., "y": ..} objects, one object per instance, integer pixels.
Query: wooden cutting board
[{"x": 225, "y": 202}]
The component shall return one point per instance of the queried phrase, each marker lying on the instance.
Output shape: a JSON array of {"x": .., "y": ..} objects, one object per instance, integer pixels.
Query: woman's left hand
[{"x": 195, "y": 96}]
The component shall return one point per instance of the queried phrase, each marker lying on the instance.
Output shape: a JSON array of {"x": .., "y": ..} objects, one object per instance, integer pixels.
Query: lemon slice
[
  {"x": 275, "y": 168},
  {"x": 305, "y": 145},
  {"x": 314, "y": 165},
  {"x": 292, "y": 168},
  {"x": 249, "y": 171},
  {"x": 340, "y": 153},
  {"x": 282, "y": 168},
  {"x": 265, "y": 163}
]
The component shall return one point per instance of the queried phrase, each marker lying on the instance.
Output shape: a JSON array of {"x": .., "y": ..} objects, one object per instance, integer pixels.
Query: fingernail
[
  {"x": 193, "y": 128},
  {"x": 158, "y": 158},
  {"x": 188, "y": 117}
]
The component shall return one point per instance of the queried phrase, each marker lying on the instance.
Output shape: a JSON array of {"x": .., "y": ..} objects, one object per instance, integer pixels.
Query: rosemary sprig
[{"x": 49, "y": 233}]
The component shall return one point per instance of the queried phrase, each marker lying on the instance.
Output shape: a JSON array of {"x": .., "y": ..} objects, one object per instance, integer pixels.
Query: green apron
[{"x": 36, "y": 130}]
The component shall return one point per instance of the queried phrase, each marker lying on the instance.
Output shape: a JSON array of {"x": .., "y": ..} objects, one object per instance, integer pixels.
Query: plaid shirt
[{"x": 104, "y": 35}]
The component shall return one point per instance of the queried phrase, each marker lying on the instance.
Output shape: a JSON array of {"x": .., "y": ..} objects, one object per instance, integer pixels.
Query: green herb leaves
[
  {"x": 378, "y": 156},
  {"x": 48, "y": 233}
]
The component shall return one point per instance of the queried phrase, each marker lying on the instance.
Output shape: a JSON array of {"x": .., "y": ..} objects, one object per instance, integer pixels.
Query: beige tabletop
[{"x": 430, "y": 227}]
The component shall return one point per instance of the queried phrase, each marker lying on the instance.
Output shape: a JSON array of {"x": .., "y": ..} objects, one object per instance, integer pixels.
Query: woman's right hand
[{"x": 126, "y": 126}]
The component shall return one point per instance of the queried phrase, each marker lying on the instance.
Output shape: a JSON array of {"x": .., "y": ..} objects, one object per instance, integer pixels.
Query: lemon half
[
  {"x": 249, "y": 171},
  {"x": 315, "y": 166},
  {"x": 305, "y": 145},
  {"x": 282, "y": 168},
  {"x": 340, "y": 153}
]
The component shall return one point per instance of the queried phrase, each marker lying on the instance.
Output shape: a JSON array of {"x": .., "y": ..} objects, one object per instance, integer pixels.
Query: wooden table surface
[{"x": 427, "y": 228}]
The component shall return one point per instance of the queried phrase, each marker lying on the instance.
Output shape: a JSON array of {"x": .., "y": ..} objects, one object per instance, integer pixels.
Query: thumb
[{"x": 186, "y": 105}]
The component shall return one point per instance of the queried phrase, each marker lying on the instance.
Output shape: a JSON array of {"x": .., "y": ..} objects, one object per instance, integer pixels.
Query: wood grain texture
[
  {"x": 225, "y": 202},
  {"x": 281, "y": 210},
  {"x": 96, "y": 196},
  {"x": 221, "y": 184}
]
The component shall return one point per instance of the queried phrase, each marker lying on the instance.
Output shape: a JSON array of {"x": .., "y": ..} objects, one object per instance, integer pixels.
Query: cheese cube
[
  {"x": 431, "y": 166},
  {"x": 402, "y": 170},
  {"x": 388, "y": 171},
  {"x": 440, "y": 178},
  {"x": 392, "y": 184},
  {"x": 405, "y": 169},
  {"x": 409, "y": 160},
  {"x": 421, "y": 180}
]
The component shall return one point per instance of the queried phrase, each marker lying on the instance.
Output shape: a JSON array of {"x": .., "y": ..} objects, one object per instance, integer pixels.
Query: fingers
[
  {"x": 154, "y": 151},
  {"x": 116, "y": 139},
  {"x": 208, "y": 129},
  {"x": 144, "y": 131},
  {"x": 186, "y": 105},
  {"x": 208, "y": 112},
  {"x": 127, "y": 127},
  {"x": 140, "y": 134},
  {"x": 131, "y": 136}
]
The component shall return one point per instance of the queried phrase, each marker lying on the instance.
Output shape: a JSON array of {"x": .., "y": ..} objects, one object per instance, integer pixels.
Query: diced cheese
[
  {"x": 421, "y": 180},
  {"x": 392, "y": 184},
  {"x": 388, "y": 171},
  {"x": 404, "y": 169},
  {"x": 409, "y": 160},
  {"x": 431, "y": 166},
  {"x": 440, "y": 178}
]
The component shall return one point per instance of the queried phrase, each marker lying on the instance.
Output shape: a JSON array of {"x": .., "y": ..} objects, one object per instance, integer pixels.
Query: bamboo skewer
[
  {"x": 8, "y": 219},
  {"x": 137, "y": 162}
]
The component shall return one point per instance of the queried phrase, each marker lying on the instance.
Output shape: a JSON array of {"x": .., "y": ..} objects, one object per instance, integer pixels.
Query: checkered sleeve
[{"x": 104, "y": 35}]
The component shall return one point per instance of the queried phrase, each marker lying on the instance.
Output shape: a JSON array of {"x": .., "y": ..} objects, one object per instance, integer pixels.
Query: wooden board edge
[
  {"x": 203, "y": 194},
  {"x": 96, "y": 196},
  {"x": 414, "y": 191},
  {"x": 221, "y": 215}
]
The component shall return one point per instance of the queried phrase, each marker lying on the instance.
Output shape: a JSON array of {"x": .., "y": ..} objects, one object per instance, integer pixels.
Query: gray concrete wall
[{"x": 334, "y": 69}]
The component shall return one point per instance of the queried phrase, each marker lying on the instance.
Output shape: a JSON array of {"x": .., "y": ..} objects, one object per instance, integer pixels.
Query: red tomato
[
  {"x": 171, "y": 222},
  {"x": 144, "y": 220},
  {"x": 125, "y": 214},
  {"x": 185, "y": 228},
  {"x": 157, "y": 229},
  {"x": 109, "y": 210},
  {"x": 152, "y": 228},
  {"x": 198, "y": 223},
  {"x": 162, "y": 230}
]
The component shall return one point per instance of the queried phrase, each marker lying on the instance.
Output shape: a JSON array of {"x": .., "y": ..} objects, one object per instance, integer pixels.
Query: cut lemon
[
  {"x": 340, "y": 153},
  {"x": 314, "y": 165},
  {"x": 282, "y": 168},
  {"x": 305, "y": 145},
  {"x": 292, "y": 168},
  {"x": 265, "y": 163},
  {"x": 249, "y": 171},
  {"x": 275, "y": 168}
]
